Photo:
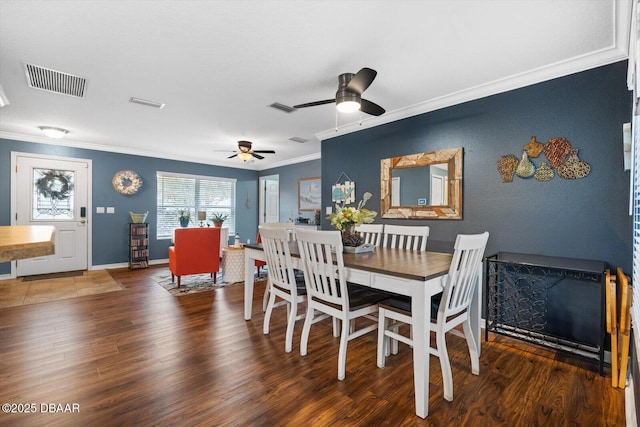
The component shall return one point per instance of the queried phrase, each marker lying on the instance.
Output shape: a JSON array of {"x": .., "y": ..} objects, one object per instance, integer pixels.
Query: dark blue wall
[
  {"x": 289, "y": 176},
  {"x": 586, "y": 218},
  {"x": 110, "y": 230}
]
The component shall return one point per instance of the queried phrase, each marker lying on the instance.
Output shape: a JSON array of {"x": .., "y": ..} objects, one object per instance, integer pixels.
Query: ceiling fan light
[
  {"x": 244, "y": 156},
  {"x": 53, "y": 132},
  {"x": 348, "y": 106}
]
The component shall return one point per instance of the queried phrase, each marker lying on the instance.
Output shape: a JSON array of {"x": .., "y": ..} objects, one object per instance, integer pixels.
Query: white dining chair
[
  {"x": 412, "y": 237},
  {"x": 291, "y": 230},
  {"x": 329, "y": 294},
  {"x": 461, "y": 282},
  {"x": 282, "y": 281},
  {"x": 371, "y": 233}
]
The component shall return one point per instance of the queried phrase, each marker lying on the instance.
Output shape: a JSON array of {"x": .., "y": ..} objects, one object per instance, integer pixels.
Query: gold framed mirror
[{"x": 422, "y": 185}]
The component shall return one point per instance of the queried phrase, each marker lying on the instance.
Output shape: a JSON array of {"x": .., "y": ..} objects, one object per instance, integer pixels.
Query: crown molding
[
  {"x": 301, "y": 159},
  {"x": 618, "y": 51},
  {"x": 144, "y": 153},
  {"x": 65, "y": 142}
]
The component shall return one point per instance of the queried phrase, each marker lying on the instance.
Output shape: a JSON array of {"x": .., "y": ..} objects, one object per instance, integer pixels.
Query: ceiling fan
[
  {"x": 245, "y": 152},
  {"x": 349, "y": 95}
]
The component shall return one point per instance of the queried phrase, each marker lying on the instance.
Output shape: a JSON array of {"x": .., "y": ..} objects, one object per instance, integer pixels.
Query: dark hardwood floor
[{"x": 143, "y": 357}]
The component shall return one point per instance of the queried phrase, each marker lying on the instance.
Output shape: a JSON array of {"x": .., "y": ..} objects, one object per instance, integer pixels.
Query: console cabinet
[
  {"x": 138, "y": 245},
  {"x": 552, "y": 301}
]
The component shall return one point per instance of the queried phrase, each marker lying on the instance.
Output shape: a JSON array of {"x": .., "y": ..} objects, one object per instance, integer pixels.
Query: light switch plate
[
  {"x": 327, "y": 210},
  {"x": 111, "y": 209},
  {"x": 100, "y": 209}
]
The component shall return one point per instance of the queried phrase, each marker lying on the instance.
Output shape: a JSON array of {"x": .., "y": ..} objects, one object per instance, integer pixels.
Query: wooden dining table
[
  {"x": 26, "y": 241},
  {"x": 419, "y": 275}
]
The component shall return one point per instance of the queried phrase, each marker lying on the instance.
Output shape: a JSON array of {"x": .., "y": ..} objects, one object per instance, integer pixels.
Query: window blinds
[{"x": 193, "y": 193}]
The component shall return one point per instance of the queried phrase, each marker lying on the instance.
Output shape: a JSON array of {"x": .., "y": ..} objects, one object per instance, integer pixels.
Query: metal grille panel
[{"x": 55, "y": 81}]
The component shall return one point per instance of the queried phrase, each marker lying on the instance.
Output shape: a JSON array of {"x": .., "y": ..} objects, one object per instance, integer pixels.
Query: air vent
[
  {"x": 55, "y": 81},
  {"x": 298, "y": 139},
  {"x": 153, "y": 104},
  {"x": 282, "y": 107}
]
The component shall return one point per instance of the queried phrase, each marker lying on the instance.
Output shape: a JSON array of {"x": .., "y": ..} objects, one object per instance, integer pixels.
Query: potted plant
[
  {"x": 184, "y": 216},
  {"x": 218, "y": 219}
]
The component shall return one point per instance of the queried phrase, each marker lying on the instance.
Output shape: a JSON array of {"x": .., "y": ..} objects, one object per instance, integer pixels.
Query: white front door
[
  {"x": 53, "y": 191},
  {"x": 269, "y": 199}
]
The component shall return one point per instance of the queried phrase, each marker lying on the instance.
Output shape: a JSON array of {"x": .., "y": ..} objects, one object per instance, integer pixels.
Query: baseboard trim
[{"x": 126, "y": 264}]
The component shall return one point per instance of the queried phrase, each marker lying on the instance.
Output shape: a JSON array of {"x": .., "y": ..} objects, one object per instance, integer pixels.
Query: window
[{"x": 193, "y": 193}]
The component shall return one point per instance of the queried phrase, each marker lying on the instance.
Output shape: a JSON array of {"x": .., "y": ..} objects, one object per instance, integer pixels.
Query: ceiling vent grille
[
  {"x": 55, "y": 81},
  {"x": 282, "y": 107},
  {"x": 147, "y": 103},
  {"x": 298, "y": 139}
]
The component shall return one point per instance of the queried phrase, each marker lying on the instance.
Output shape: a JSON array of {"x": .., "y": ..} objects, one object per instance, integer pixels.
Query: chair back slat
[
  {"x": 325, "y": 280},
  {"x": 406, "y": 237},
  {"x": 289, "y": 226},
  {"x": 275, "y": 242},
  {"x": 371, "y": 233},
  {"x": 464, "y": 273}
]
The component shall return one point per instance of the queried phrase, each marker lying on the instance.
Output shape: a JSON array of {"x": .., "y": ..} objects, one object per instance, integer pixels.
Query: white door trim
[
  {"x": 14, "y": 200},
  {"x": 261, "y": 199}
]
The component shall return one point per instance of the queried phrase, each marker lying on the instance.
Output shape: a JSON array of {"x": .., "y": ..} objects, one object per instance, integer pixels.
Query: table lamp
[{"x": 202, "y": 216}]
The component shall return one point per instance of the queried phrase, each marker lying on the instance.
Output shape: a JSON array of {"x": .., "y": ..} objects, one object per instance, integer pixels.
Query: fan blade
[
  {"x": 264, "y": 151},
  {"x": 257, "y": 156},
  {"x": 361, "y": 81},
  {"x": 231, "y": 157},
  {"x": 313, "y": 104},
  {"x": 371, "y": 108}
]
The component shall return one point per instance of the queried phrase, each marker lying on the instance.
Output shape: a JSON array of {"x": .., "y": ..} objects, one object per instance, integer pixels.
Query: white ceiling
[{"x": 218, "y": 65}]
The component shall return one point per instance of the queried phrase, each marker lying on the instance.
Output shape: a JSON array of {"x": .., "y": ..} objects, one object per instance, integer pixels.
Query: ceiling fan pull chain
[{"x": 336, "y": 120}]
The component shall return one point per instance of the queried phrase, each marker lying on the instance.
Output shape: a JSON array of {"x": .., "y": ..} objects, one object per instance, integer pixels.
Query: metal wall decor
[{"x": 561, "y": 159}]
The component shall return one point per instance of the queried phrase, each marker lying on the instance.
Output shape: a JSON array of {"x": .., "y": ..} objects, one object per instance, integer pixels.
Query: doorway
[
  {"x": 269, "y": 199},
  {"x": 437, "y": 190},
  {"x": 48, "y": 190}
]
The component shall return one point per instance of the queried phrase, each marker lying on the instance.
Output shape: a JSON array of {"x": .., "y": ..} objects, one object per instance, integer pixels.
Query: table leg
[
  {"x": 420, "y": 350},
  {"x": 249, "y": 266}
]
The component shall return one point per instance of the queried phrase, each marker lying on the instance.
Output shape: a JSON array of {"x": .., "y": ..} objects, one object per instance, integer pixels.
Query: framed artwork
[{"x": 309, "y": 194}]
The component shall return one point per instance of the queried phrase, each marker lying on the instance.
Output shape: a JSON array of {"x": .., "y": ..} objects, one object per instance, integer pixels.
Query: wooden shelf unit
[{"x": 138, "y": 245}]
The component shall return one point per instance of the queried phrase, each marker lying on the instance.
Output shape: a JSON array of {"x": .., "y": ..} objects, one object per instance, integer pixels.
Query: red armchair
[{"x": 194, "y": 251}]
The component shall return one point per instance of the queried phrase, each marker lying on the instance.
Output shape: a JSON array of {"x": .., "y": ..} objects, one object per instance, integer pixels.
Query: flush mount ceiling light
[{"x": 53, "y": 132}]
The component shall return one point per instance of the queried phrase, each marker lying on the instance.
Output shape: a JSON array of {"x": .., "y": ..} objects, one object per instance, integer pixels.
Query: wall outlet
[
  {"x": 327, "y": 210},
  {"x": 100, "y": 209}
]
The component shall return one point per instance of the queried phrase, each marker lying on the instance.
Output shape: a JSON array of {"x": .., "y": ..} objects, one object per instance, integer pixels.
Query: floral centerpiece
[{"x": 345, "y": 219}]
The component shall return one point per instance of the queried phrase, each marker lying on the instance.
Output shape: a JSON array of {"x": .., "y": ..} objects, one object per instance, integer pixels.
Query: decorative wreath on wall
[{"x": 126, "y": 182}]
